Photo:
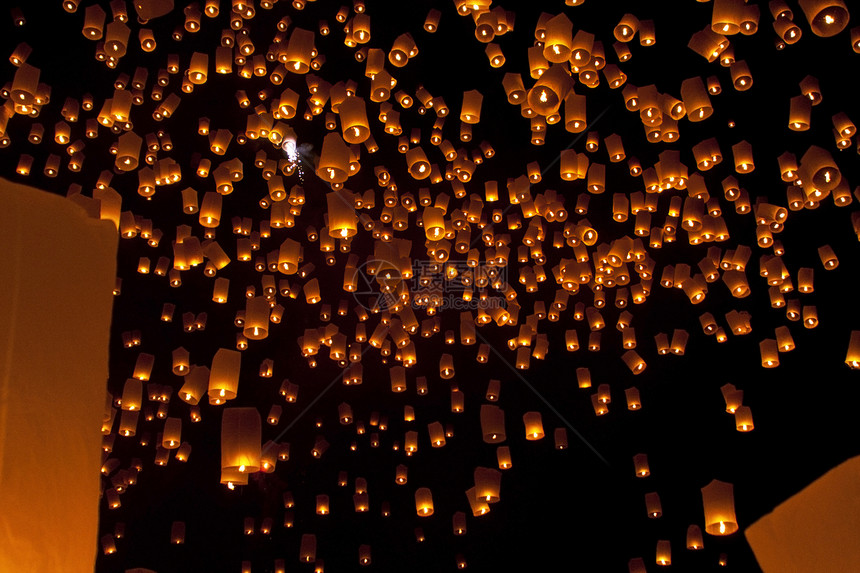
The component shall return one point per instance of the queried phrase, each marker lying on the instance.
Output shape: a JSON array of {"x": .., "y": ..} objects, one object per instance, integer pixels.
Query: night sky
[{"x": 581, "y": 506}]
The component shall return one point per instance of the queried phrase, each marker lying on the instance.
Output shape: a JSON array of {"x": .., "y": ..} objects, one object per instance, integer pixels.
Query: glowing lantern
[
  {"x": 403, "y": 49},
  {"x": 826, "y": 17},
  {"x": 743, "y": 419},
  {"x": 640, "y": 465},
  {"x": 583, "y": 377},
  {"x": 470, "y": 112},
  {"x": 558, "y": 39},
  {"x": 769, "y": 353},
  {"x": 828, "y": 257},
  {"x": 241, "y": 430},
  {"x": 560, "y": 438},
  {"x": 256, "y": 318},
  {"x": 719, "y": 505},
  {"x": 181, "y": 365},
  {"x": 322, "y": 505},
  {"x": 653, "y": 506},
  {"x": 736, "y": 281},
  {"x": 131, "y": 394},
  {"x": 300, "y": 51},
  {"x": 664, "y": 553},
  {"x": 626, "y": 29},
  {"x": 424, "y": 502},
  {"x": 492, "y": 424},
  {"x": 312, "y": 291},
  {"x": 533, "y": 425},
  {"x": 633, "y": 361},
  {"x": 632, "y": 396},
  {"x": 334, "y": 159},
  {"x": 696, "y": 100},
  {"x": 694, "y": 538},
  {"x": 353, "y": 120},
  {"x": 364, "y": 555},
  {"x": 172, "y": 434},
  {"x": 550, "y": 90},
  {"x": 437, "y": 434},
  {"x": 308, "y": 548},
  {"x": 800, "y": 110},
  {"x": 342, "y": 220},
  {"x": 224, "y": 376},
  {"x": 194, "y": 385}
]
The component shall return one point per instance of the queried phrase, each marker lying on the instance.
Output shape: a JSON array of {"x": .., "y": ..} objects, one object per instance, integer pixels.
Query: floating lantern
[
  {"x": 826, "y": 17},
  {"x": 533, "y": 425},
  {"x": 424, "y": 502},
  {"x": 719, "y": 505},
  {"x": 240, "y": 441}
]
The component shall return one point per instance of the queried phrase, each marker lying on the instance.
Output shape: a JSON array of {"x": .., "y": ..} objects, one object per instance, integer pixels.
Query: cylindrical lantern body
[
  {"x": 241, "y": 431},
  {"x": 533, "y": 425},
  {"x": 719, "y": 505},
  {"x": 424, "y": 502},
  {"x": 224, "y": 376}
]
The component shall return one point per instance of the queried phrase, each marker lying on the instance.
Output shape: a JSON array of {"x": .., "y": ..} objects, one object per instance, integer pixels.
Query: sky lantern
[
  {"x": 354, "y": 272},
  {"x": 719, "y": 504}
]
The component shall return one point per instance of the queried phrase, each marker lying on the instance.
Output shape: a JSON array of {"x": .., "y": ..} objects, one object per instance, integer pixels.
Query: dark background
[{"x": 569, "y": 506}]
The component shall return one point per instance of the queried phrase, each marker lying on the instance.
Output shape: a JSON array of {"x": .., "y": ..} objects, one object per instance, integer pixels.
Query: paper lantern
[
  {"x": 653, "y": 506},
  {"x": 696, "y": 100},
  {"x": 633, "y": 361},
  {"x": 492, "y": 424},
  {"x": 632, "y": 396},
  {"x": 470, "y": 112},
  {"x": 403, "y": 49},
  {"x": 626, "y": 29},
  {"x": 826, "y": 17},
  {"x": 828, "y": 257},
  {"x": 300, "y": 51},
  {"x": 533, "y": 426},
  {"x": 224, "y": 376},
  {"x": 431, "y": 22},
  {"x": 852, "y": 357},
  {"x": 308, "y": 548},
  {"x": 172, "y": 434},
  {"x": 550, "y": 90},
  {"x": 743, "y": 157},
  {"x": 769, "y": 353},
  {"x": 322, "y": 505},
  {"x": 726, "y": 16},
  {"x": 424, "y": 502},
  {"x": 437, "y": 434},
  {"x": 353, "y": 120},
  {"x": 743, "y": 419},
  {"x": 334, "y": 159},
  {"x": 240, "y": 443},
  {"x": 821, "y": 169},
  {"x": 694, "y": 538},
  {"x": 719, "y": 505},
  {"x": 647, "y": 36},
  {"x": 640, "y": 465},
  {"x": 558, "y": 38},
  {"x": 560, "y": 438},
  {"x": 342, "y": 220},
  {"x": 664, "y": 553}
]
